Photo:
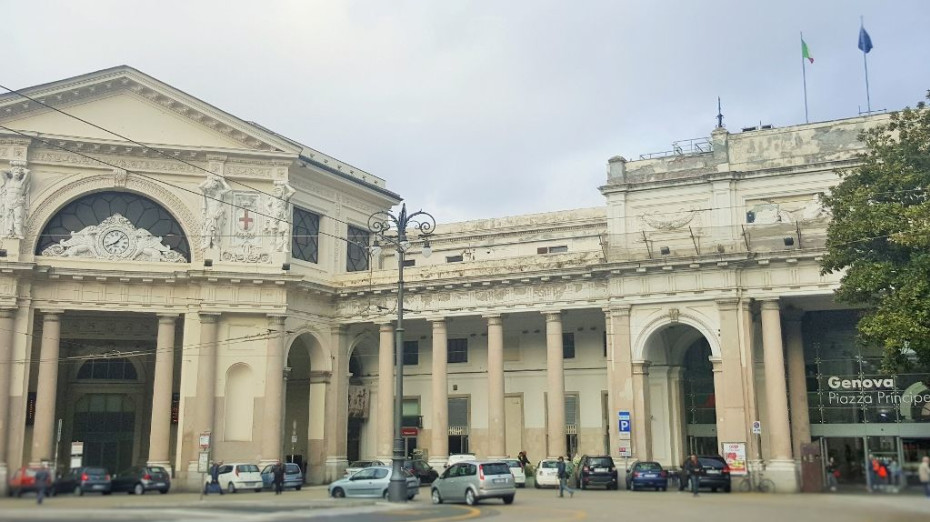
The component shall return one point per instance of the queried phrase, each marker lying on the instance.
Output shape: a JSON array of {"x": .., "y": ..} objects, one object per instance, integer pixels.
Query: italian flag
[{"x": 805, "y": 52}]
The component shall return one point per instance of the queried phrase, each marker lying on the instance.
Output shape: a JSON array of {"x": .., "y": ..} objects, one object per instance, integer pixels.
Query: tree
[{"x": 880, "y": 236}]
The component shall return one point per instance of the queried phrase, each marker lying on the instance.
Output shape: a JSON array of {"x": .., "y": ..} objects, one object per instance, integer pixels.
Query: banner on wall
[{"x": 735, "y": 455}]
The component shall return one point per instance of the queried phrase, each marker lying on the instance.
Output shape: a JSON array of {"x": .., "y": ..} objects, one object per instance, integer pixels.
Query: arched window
[
  {"x": 239, "y": 403},
  {"x": 116, "y": 369},
  {"x": 92, "y": 209}
]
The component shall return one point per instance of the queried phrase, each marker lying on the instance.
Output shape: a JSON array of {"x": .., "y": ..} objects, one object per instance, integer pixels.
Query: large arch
[
  {"x": 68, "y": 189},
  {"x": 310, "y": 372}
]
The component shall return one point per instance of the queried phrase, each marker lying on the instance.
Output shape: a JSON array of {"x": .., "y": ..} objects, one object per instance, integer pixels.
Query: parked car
[
  {"x": 596, "y": 471},
  {"x": 420, "y": 469},
  {"x": 140, "y": 479},
  {"x": 238, "y": 475},
  {"x": 474, "y": 481},
  {"x": 519, "y": 474},
  {"x": 460, "y": 457},
  {"x": 716, "y": 474},
  {"x": 82, "y": 480},
  {"x": 547, "y": 473},
  {"x": 362, "y": 464},
  {"x": 642, "y": 475},
  {"x": 23, "y": 480},
  {"x": 293, "y": 476},
  {"x": 372, "y": 481}
]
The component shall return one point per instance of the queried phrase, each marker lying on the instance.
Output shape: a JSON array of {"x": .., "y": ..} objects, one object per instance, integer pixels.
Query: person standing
[
  {"x": 215, "y": 477},
  {"x": 278, "y": 478},
  {"x": 833, "y": 472},
  {"x": 43, "y": 479},
  {"x": 694, "y": 470},
  {"x": 923, "y": 472},
  {"x": 563, "y": 478}
]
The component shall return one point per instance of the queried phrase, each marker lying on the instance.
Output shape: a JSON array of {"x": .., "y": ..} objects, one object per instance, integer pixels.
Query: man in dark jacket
[
  {"x": 563, "y": 479},
  {"x": 693, "y": 470},
  {"x": 215, "y": 477},
  {"x": 278, "y": 478},
  {"x": 42, "y": 479}
]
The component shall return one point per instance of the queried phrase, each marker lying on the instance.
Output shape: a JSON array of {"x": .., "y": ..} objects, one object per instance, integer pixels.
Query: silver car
[
  {"x": 474, "y": 481},
  {"x": 371, "y": 482}
]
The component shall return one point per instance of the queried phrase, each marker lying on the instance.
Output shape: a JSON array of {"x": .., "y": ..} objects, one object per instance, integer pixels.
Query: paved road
[{"x": 530, "y": 505}]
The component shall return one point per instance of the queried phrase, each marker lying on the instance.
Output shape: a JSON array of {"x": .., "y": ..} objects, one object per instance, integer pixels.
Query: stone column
[
  {"x": 641, "y": 416},
  {"x": 385, "y": 439},
  {"x": 497, "y": 440},
  {"x": 47, "y": 388},
  {"x": 620, "y": 391},
  {"x": 555, "y": 375},
  {"x": 6, "y": 364},
  {"x": 272, "y": 409},
  {"x": 720, "y": 396},
  {"x": 160, "y": 431},
  {"x": 797, "y": 383},
  {"x": 732, "y": 368},
  {"x": 206, "y": 378},
  {"x": 781, "y": 467},
  {"x": 337, "y": 406},
  {"x": 439, "y": 435},
  {"x": 677, "y": 415}
]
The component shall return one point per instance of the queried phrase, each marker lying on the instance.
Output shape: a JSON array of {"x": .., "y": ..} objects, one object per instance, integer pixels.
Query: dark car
[
  {"x": 596, "y": 470},
  {"x": 293, "y": 476},
  {"x": 140, "y": 479},
  {"x": 420, "y": 469},
  {"x": 23, "y": 480},
  {"x": 646, "y": 475},
  {"x": 83, "y": 480},
  {"x": 716, "y": 474}
]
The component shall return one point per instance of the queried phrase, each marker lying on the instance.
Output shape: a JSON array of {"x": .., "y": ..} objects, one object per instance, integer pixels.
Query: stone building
[{"x": 204, "y": 289}]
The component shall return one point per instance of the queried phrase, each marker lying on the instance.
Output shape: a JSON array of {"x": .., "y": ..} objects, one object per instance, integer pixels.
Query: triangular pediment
[{"x": 137, "y": 106}]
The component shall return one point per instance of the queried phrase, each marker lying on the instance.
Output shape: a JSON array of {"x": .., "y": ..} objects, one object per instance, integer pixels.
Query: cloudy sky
[{"x": 475, "y": 109}]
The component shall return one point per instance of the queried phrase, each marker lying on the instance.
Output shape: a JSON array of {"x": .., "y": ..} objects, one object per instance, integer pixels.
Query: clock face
[{"x": 115, "y": 242}]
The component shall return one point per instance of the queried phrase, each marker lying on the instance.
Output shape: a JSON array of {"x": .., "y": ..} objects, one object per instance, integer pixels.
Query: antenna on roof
[{"x": 719, "y": 114}]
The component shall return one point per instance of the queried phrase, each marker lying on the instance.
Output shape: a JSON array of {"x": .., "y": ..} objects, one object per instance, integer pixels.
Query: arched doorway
[
  {"x": 680, "y": 391},
  {"x": 305, "y": 406}
]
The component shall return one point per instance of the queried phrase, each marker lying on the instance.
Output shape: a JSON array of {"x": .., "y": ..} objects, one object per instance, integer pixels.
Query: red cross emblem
[{"x": 245, "y": 222}]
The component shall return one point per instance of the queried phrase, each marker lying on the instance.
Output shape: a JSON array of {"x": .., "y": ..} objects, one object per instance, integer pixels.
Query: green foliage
[{"x": 880, "y": 234}]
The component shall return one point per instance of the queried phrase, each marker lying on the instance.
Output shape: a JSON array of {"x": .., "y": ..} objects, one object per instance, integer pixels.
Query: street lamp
[{"x": 379, "y": 223}]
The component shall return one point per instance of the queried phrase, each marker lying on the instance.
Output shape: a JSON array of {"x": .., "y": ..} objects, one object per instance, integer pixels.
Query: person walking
[
  {"x": 694, "y": 470},
  {"x": 43, "y": 479},
  {"x": 215, "y": 478},
  {"x": 563, "y": 478},
  {"x": 524, "y": 460},
  {"x": 278, "y": 478},
  {"x": 923, "y": 472},
  {"x": 833, "y": 471}
]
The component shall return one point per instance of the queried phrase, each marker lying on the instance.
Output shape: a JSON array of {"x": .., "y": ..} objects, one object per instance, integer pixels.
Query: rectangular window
[
  {"x": 568, "y": 345},
  {"x": 605, "y": 343},
  {"x": 458, "y": 411},
  {"x": 410, "y": 262},
  {"x": 411, "y": 353},
  {"x": 561, "y": 249},
  {"x": 357, "y": 250},
  {"x": 571, "y": 410},
  {"x": 305, "y": 238},
  {"x": 454, "y": 259},
  {"x": 457, "y": 350},
  {"x": 410, "y": 413}
]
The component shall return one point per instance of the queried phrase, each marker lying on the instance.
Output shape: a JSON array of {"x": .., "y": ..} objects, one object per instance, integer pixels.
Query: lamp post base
[{"x": 397, "y": 488}]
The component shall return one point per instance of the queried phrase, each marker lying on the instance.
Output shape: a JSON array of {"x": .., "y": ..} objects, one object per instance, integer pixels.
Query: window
[
  {"x": 605, "y": 343},
  {"x": 411, "y": 353},
  {"x": 305, "y": 241},
  {"x": 118, "y": 369},
  {"x": 410, "y": 413},
  {"x": 457, "y": 350},
  {"x": 454, "y": 259},
  {"x": 458, "y": 411},
  {"x": 410, "y": 262},
  {"x": 561, "y": 249},
  {"x": 568, "y": 345},
  {"x": 357, "y": 250}
]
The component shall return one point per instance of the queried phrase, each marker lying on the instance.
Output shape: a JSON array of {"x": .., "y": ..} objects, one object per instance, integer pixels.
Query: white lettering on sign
[{"x": 859, "y": 384}]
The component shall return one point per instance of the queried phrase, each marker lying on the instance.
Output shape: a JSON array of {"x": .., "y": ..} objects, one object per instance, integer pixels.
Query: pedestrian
[
  {"x": 563, "y": 478},
  {"x": 833, "y": 472},
  {"x": 524, "y": 460},
  {"x": 278, "y": 478},
  {"x": 43, "y": 479},
  {"x": 694, "y": 470},
  {"x": 215, "y": 477},
  {"x": 896, "y": 474},
  {"x": 923, "y": 472}
]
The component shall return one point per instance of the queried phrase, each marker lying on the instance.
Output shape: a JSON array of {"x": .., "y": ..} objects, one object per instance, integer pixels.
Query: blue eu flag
[{"x": 865, "y": 43}]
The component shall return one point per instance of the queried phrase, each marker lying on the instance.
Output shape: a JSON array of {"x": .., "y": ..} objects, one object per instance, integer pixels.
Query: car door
[
  {"x": 380, "y": 481},
  {"x": 446, "y": 484},
  {"x": 360, "y": 483}
]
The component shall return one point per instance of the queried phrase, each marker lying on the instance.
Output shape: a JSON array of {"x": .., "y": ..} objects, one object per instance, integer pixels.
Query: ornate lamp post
[{"x": 379, "y": 223}]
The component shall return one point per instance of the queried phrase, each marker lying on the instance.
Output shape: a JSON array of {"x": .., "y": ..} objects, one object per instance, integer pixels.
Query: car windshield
[
  {"x": 600, "y": 462},
  {"x": 649, "y": 466},
  {"x": 709, "y": 462},
  {"x": 95, "y": 471},
  {"x": 248, "y": 468},
  {"x": 513, "y": 463},
  {"x": 549, "y": 464},
  {"x": 496, "y": 468},
  {"x": 156, "y": 471},
  {"x": 360, "y": 464},
  {"x": 292, "y": 468}
]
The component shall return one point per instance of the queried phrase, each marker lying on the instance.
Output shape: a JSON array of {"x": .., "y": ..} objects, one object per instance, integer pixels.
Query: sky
[{"x": 489, "y": 108}]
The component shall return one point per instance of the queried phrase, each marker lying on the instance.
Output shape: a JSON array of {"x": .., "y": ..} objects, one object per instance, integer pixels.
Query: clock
[{"x": 115, "y": 242}]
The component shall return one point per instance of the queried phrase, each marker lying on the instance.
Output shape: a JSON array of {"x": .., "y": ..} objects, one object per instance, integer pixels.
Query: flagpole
[
  {"x": 865, "y": 64},
  {"x": 804, "y": 77}
]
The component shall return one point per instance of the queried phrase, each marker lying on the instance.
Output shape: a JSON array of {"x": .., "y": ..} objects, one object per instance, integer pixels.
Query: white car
[
  {"x": 461, "y": 457},
  {"x": 238, "y": 475},
  {"x": 519, "y": 475},
  {"x": 358, "y": 465},
  {"x": 547, "y": 473}
]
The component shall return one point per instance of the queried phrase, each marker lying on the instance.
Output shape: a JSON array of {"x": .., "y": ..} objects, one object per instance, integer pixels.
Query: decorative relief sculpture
[
  {"x": 668, "y": 220},
  {"x": 213, "y": 209},
  {"x": 115, "y": 238},
  {"x": 814, "y": 209},
  {"x": 245, "y": 245},
  {"x": 14, "y": 199},
  {"x": 278, "y": 225}
]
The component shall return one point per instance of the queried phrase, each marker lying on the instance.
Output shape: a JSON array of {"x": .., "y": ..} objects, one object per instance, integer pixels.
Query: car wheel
[
  {"x": 386, "y": 495},
  {"x": 664, "y": 489},
  {"x": 713, "y": 490},
  {"x": 297, "y": 488},
  {"x": 231, "y": 487},
  {"x": 139, "y": 489},
  {"x": 338, "y": 493},
  {"x": 536, "y": 485},
  {"x": 105, "y": 493},
  {"x": 632, "y": 486},
  {"x": 726, "y": 489},
  {"x": 258, "y": 490},
  {"x": 163, "y": 491},
  {"x": 470, "y": 498},
  {"x": 508, "y": 499},
  {"x": 436, "y": 497}
]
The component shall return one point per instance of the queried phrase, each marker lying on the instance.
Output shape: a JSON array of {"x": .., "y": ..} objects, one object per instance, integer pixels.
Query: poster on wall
[{"x": 735, "y": 455}]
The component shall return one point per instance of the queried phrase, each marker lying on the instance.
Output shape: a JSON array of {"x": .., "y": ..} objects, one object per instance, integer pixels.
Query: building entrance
[{"x": 106, "y": 424}]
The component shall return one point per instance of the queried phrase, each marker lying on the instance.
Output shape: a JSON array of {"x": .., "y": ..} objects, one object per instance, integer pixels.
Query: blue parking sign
[{"x": 623, "y": 418}]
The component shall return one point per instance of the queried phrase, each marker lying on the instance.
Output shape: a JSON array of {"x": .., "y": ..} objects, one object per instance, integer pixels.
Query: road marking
[{"x": 470, "y": 512}]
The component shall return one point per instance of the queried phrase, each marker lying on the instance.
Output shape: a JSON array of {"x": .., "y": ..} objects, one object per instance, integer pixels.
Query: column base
[
  {"x": 438, "y": 462},
  {"x": 193, "y": 480},
  {"x": 784, "y": 473},
  {"x": 335, "y": 468},
  {"x": 4, "y": 485}
]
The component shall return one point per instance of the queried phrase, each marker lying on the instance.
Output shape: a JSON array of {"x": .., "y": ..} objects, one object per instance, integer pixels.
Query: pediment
[{"x": 137, "y": 106}]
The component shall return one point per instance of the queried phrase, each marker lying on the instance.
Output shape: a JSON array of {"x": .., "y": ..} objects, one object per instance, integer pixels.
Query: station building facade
[{"x": 206, "y": 289}]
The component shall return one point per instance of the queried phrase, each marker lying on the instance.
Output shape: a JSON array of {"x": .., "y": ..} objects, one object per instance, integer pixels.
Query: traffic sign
[
  {"x": 756, "y": 427},
  {"x": 623, "y": 421}
]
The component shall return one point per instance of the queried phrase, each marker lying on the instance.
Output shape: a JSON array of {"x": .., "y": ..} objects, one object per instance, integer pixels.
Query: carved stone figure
[
  {"x": 115, "y": 238},
  {"x": 278, "y": 225},
  {"x": 668, "y": 220},
  {"x": 14, "y": 198},
  {"x": 814, "y": 209},
  {"x": 213, "y": 210}
]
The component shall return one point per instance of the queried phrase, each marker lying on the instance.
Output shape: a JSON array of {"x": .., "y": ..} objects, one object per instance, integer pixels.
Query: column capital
[
  {"x": 167, "y": 318},
  {"x": 641, "y": 367},
  {"x": 617, "y": 310},
  {"x": 552, "y": 315},
  {"x": 435, "y": 319},
  {"x": 7, "y": 313},
  {"x": 209, "y": 317},
  {"x": 52, "y": 314},
  {"x": 494, "y": 319},
  {"x": 276, "y": 318},
  {"x": 770, "y": 303},
  {"x": 727, "y": 303},
  {"x": 717, "y": 362},
  {"x": 317, "y": 377},
  {"x": 385, "y": 327}
]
